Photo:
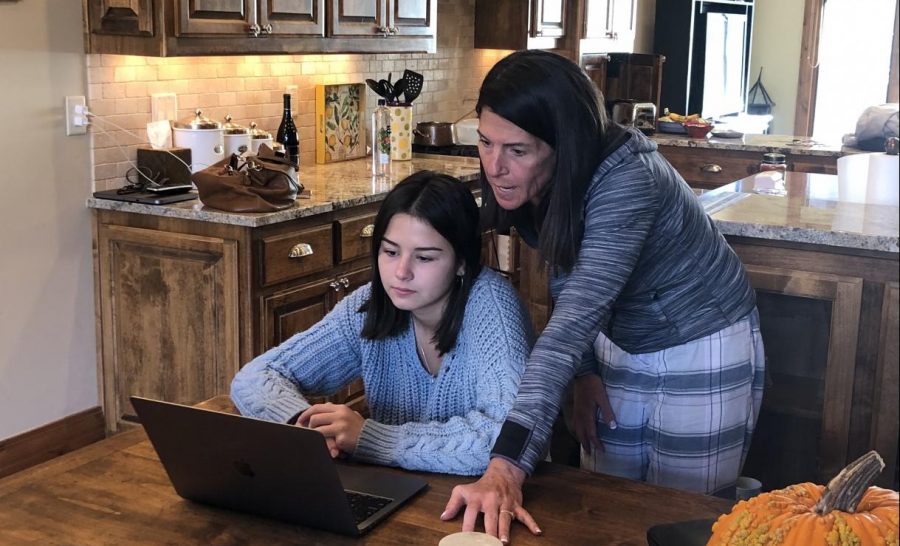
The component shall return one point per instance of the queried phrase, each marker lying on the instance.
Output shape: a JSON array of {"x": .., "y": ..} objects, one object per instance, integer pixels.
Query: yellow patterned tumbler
[{"x": 401, "y": 133}]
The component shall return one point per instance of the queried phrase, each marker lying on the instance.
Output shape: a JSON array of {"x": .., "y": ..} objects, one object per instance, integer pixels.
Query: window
[{"x": 848, "y": 62}]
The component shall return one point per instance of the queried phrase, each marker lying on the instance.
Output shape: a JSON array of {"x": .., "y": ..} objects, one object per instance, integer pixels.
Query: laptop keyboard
[{"x": 363, "y": 505}]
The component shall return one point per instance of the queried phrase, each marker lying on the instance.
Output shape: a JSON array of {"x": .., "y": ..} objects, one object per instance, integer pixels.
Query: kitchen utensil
[
  {"x": 433, "y": 133},
  {"x": 376, "y": 87},
  {"x": 387, "y": 89},
  {"x": 204, "y": 137},
  {"x": 399, "y": 88},
  {"x": 414, "y": 82},
  {"x": 237, "y": 137}
]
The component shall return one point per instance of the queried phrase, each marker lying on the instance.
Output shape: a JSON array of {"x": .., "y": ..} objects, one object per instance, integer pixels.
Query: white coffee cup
[{"x": 470, "y": 539}]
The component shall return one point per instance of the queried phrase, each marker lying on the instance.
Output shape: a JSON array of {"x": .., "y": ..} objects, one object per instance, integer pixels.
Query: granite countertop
[
  {"x": 333, "y": 186},
  {"x": 808, "y": 208},
  {"x": 785, "y": 144}
]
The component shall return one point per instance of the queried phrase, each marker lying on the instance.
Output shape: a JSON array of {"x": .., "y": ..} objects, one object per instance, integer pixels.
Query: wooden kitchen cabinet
[
  {"x": 170, "y": 314},
  {"x": 250, "y": 17},
  {"x": 240, "y": 27},
  {"x": 608, "y": 26},
  {"x": 384, "y": 18},
  {"x": 183, "y": 304},
  {"x": 522, "y": 24},
  {"x": 711, "y": 168},
  {"x": 825, "y": 314}
]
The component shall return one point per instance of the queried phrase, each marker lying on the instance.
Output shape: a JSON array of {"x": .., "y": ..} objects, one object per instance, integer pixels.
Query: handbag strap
[{"x": 268, "y": 154}]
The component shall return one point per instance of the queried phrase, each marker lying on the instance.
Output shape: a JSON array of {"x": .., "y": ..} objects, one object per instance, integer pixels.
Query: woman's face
[
  {"x": 417, "y": 267},
  {"x": 518, "y": 164}
]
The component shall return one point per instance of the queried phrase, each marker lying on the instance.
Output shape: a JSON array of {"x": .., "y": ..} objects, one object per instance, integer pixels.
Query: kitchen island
[
  {"x": 822, "y": 254},
  {"x": 186, "y": 294},
  {"x": 709, "y": 163}
]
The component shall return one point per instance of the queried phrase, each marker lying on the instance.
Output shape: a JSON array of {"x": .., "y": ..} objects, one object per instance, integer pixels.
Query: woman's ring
[{"x": 510, "y": 512}]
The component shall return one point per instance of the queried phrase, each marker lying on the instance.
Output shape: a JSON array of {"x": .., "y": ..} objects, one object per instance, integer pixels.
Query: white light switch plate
[{"x": 163, "y": 106}]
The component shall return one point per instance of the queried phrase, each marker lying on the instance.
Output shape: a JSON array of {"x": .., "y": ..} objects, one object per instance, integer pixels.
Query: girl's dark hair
[
  {"x": 551, "y": 98},
  {"x": 447, "y": 205}
]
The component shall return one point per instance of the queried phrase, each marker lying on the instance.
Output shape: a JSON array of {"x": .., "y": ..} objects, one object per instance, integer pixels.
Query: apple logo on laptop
[{"x": 244, "y": 468}]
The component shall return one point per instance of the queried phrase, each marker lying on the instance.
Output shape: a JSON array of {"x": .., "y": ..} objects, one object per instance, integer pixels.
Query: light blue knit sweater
[{"x": 446, "y": 423}]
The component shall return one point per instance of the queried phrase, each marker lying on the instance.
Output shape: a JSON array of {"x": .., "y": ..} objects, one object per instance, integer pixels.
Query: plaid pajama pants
[{"x": 686, "y": 414}]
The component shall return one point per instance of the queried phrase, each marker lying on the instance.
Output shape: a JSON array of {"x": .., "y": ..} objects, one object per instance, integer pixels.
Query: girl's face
[
  {"x": 417, "y": 267},
  {"x": 518, "y": 165}
]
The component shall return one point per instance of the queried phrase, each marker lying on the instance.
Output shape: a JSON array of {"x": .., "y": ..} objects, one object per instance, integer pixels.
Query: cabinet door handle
[
  {"x": 301, "y": 250},
  {"x": 345, "y": 282},
  {"x": 367, "y": 232},
  {"x": 711, "y": 168},
  {"x": 255, "y": 30},
  {"x": 394, "y": 30},
  {"x": 267, "y": 29},
  {"x": 334, "y": 286},
  {"x": 383, "y": 30}
]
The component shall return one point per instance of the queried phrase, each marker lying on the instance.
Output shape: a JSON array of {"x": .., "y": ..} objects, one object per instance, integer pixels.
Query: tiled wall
[{"x": 250, "y": 87}]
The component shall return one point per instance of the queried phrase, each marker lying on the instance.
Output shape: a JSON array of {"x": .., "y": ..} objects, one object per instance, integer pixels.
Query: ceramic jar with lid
[
  {"x": 237, "y": 137},
  {"x": 204, "y": 137},
  {"x": 258, "y": 136}
]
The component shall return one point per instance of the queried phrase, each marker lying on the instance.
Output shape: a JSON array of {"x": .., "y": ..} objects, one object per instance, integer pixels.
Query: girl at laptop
[{"x": 439, "y": 342}]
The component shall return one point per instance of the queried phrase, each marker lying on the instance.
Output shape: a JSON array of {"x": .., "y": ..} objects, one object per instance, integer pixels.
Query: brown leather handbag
[{"x": 261, "y": 183}]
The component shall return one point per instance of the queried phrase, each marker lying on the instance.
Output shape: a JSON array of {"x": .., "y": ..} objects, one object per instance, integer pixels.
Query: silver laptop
[{"x": 274, "y": 470}]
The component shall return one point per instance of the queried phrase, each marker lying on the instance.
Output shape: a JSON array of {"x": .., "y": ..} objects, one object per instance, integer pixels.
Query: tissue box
[{"x": 162, "y": 164}]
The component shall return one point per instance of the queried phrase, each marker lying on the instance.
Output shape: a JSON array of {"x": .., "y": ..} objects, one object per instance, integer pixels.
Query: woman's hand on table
[
  {"x": 340, "y": 425},
  {"x": 591, "y": 405},
  {"x": 498, "y": 493}
]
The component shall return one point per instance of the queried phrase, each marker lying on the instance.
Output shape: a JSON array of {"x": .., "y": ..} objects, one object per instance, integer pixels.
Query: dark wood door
[
  {"x": 169, "y": 309},
  {"x": 548, "y": 18},
  {"x": 293, "y": 310},
  {"x": 412, "y": 17},
  {"x": 292, "y": 17},
  {"x": 211, "y": 17},
  {"x": 358, "y": 18},
  {"x": 122, "y": 17},
  {"x": 809, "y": 326}
]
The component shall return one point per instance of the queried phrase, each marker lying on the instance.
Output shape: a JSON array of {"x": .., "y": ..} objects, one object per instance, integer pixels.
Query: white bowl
[{"x": 466, "y": 131}]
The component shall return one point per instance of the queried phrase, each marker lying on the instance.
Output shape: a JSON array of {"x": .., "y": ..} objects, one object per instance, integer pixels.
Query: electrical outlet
[
  {"x": 76, "y": 118},
  {"x": 163, "y": 106}
]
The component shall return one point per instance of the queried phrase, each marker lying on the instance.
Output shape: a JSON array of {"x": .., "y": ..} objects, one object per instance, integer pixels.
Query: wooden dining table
[{"x": 116, "y": 492}]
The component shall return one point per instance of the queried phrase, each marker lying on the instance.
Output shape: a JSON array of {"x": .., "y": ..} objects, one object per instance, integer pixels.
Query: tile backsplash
[{"x": 250, "y": 88}]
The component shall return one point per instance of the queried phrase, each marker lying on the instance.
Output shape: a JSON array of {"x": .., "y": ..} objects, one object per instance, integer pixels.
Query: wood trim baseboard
[{"x": 51, "y": 440}]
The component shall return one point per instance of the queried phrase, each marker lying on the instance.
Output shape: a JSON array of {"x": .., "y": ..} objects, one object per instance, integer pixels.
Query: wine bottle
[
  {"x": 287, "y": 134},
  {"x": 381, "y": 140}
]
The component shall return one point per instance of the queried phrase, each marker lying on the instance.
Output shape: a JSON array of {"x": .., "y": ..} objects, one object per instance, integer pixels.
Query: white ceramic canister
[
  {"x": 237, "y": 137},
  {"x": 257, "y": 137},
  {"x": 204, "y": 137}
]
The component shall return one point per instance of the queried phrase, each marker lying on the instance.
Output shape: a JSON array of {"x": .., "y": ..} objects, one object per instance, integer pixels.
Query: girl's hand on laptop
[{"x": 337, "y": 422}]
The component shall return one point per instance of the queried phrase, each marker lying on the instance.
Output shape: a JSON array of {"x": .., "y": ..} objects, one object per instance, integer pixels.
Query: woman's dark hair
[
  {"x": 447, "y": 205},
  {"x": 551, "y": 98}
]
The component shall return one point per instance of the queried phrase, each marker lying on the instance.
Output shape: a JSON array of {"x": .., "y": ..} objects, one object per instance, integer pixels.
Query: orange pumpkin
[{"x": 845, "y": 513}]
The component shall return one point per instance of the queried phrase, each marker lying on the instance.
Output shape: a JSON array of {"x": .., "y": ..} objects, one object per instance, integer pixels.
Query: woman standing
[
  {"x": 638, "y": 267},
  {"x": 439, "y": 342}
]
